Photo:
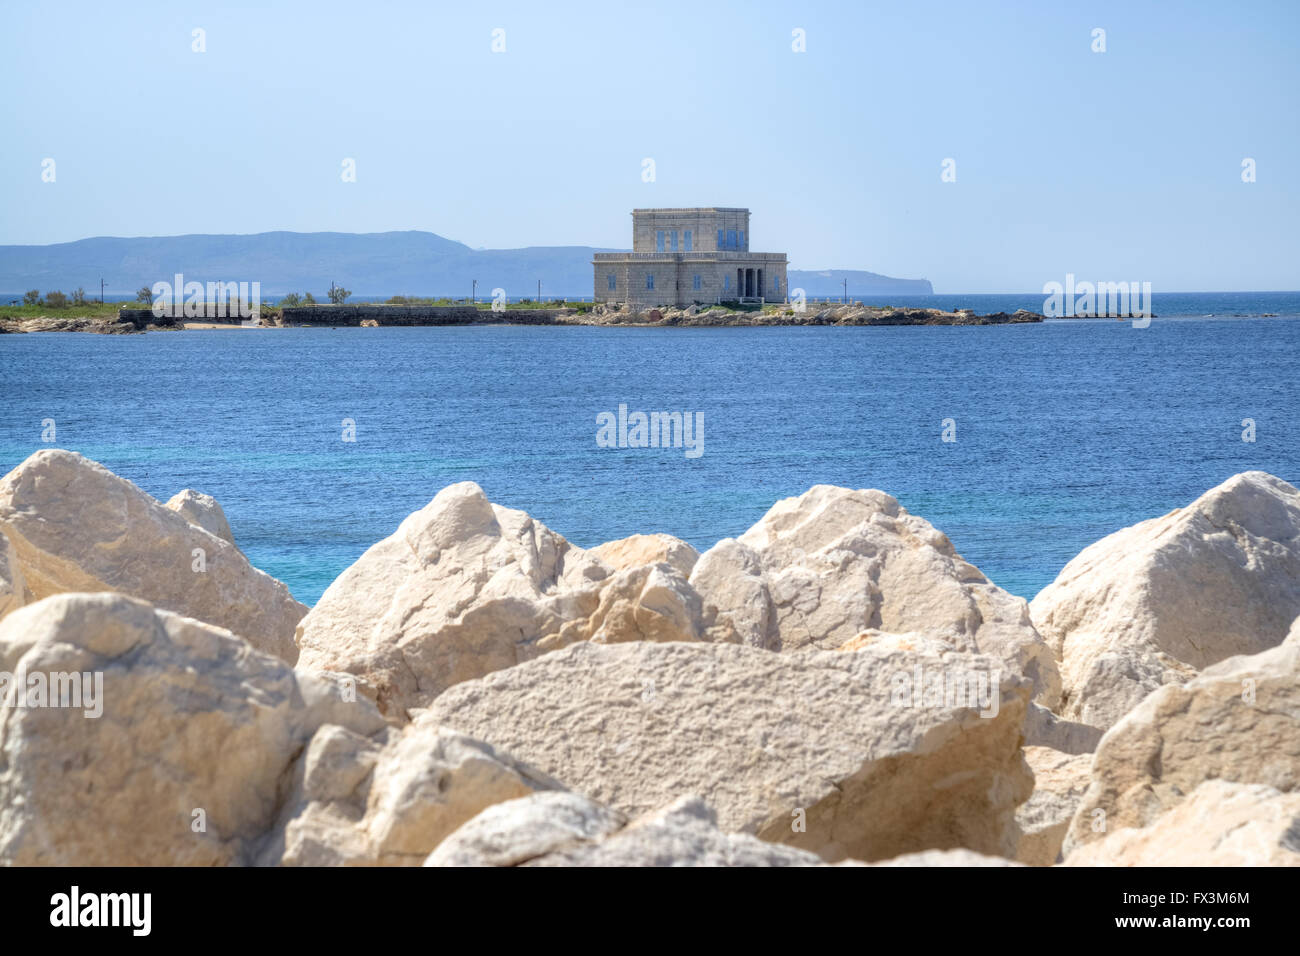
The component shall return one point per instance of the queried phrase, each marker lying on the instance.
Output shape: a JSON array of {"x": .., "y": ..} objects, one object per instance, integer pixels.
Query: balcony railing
[{"x": 699, "y": 253}]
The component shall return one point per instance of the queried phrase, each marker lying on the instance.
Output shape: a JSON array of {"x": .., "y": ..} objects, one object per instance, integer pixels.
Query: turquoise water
[{"x": 1065, "y": 430}]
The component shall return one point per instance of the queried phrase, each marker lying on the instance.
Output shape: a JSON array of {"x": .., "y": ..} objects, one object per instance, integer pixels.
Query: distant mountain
[
  {"x": 368, "y": 264},
  {"x": 830, "y": 282}
]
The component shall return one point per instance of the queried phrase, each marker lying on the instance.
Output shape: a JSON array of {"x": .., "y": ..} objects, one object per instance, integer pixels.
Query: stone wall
[
  {"x": 353, "y": 315},
  {"x": 413, "y": 315},
  {"x": 674, "y": 277},
  {"x": 704, "y": 224},
  {"x": 143, "y": 318}
]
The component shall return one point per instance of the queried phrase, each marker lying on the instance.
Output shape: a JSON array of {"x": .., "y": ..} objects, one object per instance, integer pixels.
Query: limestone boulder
[
  {"x": 13, "y": 588},
  {"x": 1220, "y": 824},
  {"x": 1117, "y": 681},
  {"x": 169, "y": 744},
  {"x": 736, "y": 598},
  {"x": 390, "y": 799},
  {"x": 515, "y": 832},
  {"x": 642, "y": 549},
  {"x": 1060, "y": 781},
  {"x": 1044, "y": 729},
  {"x": 819, "y": 569},
  {"x": 564, "y": 829},
  {"x": 947, "y": 858},
  {"x": 1154, "y": 603},
  {"x": 647, "y": 603},
  {"x": 465, "y": 587},
  {"x": 1239, "y": 721},
  {"x": 867, "y": 754},
  {"x": 202, "y": 510},
  {"x": 75, "y": 526}
]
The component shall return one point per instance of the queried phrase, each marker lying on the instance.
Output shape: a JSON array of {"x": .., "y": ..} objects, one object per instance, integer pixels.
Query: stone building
[{"x": 684, "y": 256}]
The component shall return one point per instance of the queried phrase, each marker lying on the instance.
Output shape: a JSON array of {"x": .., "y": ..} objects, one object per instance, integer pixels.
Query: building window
[
  {"x": 776, "y": 283},
  {"x": 742, "y": 239},
  {"x": 674, "y": 235},
  {"x": 731, "y": 239},
  {"x": 613, "y": 283},
  {"x": 659, "y": 240},
  {"x": 650, "y": 280},
  {"x": 726, "y": 283},
  {"x": 688, "y": 240},
  {"x": 722, "y": 239},
  {"x": 695, "y": 280}
]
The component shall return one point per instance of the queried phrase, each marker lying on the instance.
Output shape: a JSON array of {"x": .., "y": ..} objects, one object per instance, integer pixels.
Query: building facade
[{"x": 685, "y": 256}]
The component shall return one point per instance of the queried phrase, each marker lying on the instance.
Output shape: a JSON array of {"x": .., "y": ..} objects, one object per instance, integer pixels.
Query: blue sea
[{"x": 1065, "y": 431}]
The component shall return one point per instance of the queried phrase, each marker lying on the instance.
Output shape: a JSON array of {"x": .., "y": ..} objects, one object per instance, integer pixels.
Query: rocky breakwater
[
  {"x": 69, "y": 524},
  {"x": 379, "y": 316},
  {"x": 126, "y": 322},
  {"x": 714, "y": 316},
  {"x": 1158, "y": 602},
  {"x": 131, "y": 320},
  {"x": 833, "y": 685}
]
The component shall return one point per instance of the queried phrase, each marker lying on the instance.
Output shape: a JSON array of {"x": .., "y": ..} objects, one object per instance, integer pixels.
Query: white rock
[
  {"x": 819, "y": 569},
  {"x": 13, "y": 588},
  {"x": 75, "y": 526},
  {"x": 641, "y": 549},
  {"x": 465, "y": 587},
  {"x": 567, "y": 830},
  {"x": 947, "y": 858},
  {"x": 391, "y": 800},
  {"x": 738, "y": 606},
  {"x": 1220, "y": 824},
  {"x": 184, "y": 763},
  {"x": 1060, "y": 781},
  {"x": 828, "y": 752},
  {"x": 1045, "y": 729},
  {"x": 1239, "y": 721},
  {"x": 517, "y": 831},
  {"x": 1154, "y": 603},
  {"x": 202, "y": 510},
  {"x": 192, "y": 748}
]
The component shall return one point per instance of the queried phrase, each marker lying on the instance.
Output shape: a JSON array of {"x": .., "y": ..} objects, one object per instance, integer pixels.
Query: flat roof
[{"x": 677, "y": 209}]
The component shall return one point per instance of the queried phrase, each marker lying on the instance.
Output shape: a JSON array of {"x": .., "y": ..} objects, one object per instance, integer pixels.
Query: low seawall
[
  {"x": 143, "y": 318},
  {"x": 355, "y": 315},
  {"x": 399, "y": 315}
]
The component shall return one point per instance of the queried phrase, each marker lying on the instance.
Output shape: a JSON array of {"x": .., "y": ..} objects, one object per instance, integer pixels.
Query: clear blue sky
[{"x": 1117, "y": 165}]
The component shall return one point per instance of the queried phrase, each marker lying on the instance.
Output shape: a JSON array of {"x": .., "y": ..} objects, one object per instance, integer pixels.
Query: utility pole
[
  {"x": 539, "y": 291},
  {"x": 845, "y": 297},
  {"x": 101, "y": 290},
  {"x": 473, "y": 291}
]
